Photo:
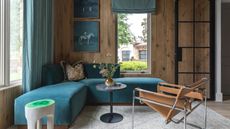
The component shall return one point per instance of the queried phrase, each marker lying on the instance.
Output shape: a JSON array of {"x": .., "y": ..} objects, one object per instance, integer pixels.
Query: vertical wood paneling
[
  {"x": 202, "y": 60},
  {"x": 163, "y": 41},
  {"x": 64, "y": 34},
  {"x": 186, "y": 35},
  {"x": 185, "y": 79},
  {"x": 202, "y": 12},
  {"x": 186, "y": 64},
  {"x": 185, "y": 10},
  {"x": 7, "y": 97},
  {"x": 62, "y": 29},
  {"x": 202, "y": 35},
  {"x": 162, "y": 46},
  {"x": 162, "y": 50}
]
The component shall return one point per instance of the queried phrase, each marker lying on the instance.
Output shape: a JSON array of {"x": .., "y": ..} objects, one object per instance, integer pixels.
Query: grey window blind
[{"x": 134, "y": 6}]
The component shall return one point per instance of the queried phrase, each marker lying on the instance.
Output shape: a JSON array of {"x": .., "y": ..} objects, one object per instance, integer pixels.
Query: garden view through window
[
  {"x": 16, "y": 39},
  {"x": 133, "y": 42}
]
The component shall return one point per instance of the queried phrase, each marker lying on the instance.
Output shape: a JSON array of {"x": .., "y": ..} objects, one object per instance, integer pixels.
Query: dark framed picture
[
  {"x": 86, "y": 36},
  {"x": 86, "y": 9}
]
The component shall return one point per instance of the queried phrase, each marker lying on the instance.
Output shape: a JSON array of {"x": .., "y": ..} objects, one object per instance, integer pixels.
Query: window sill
[
  {"x": 139, "y": 74},
  {"x": 10, "y": 86},
  {"x": 17, "y": 82}
]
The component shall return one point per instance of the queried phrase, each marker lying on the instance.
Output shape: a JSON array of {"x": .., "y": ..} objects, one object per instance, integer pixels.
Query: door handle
[{"x": 179, "y": 54}]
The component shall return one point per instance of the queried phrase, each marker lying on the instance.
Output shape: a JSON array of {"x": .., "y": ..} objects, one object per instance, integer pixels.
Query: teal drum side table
[{"x": 38, "y": 109}]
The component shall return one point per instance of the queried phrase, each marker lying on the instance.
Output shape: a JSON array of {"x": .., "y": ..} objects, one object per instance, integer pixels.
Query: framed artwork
[
  {"x": 86, "y": 8},
  {"x": 86, "y": 36}
]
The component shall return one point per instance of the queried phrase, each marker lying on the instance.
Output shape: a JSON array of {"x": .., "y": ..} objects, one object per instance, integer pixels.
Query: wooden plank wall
[
  {"x": 163, "y": 41},
  {"x": 64, "y": 34},
  {"x": 163, "y": 35},
  {"x": 162, "y": 50},
  {"x": 7, "y": 97}
]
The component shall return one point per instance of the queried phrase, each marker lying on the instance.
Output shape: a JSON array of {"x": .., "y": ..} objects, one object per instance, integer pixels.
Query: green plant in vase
[{"x": 107, "y": 71}]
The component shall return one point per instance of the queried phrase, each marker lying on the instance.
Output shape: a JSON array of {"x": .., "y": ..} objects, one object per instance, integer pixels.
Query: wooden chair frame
[{"x": 171, "y": 99}]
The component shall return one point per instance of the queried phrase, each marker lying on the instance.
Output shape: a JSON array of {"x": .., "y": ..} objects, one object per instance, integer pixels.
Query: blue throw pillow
[
  {"x": 52, "y": 74},
  {"x": 91, "y": 72}
]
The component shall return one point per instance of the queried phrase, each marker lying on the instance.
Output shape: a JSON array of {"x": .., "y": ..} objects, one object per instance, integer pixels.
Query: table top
[
  {"x": 40, "y": 103},
  {"x": 117, "y": 86}
]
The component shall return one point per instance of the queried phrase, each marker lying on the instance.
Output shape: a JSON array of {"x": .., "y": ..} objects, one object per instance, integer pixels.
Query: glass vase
[{"x": 109, "y": 82}]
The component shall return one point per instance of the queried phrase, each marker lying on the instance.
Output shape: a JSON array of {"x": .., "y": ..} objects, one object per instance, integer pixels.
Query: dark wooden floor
[{"x": 222, "y": 108}]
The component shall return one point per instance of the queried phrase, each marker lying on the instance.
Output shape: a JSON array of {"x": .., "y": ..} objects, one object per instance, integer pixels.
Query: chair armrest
[
  {"x": 156, "y": 94},
  {"x": 170, "y": 85}
]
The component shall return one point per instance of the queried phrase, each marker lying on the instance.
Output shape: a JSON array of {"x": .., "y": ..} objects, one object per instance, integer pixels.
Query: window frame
[
  {"x": 1, "y": 46},
  {"x": 149, "y": 46},
  {"x": 5, "y": 44}
]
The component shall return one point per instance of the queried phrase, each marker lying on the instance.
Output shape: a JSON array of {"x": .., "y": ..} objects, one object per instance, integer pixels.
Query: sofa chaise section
[{"x": 70, "y": 98}]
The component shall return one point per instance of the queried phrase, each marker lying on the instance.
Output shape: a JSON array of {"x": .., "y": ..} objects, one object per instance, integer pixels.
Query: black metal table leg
[
  {"x": 111, "y": 101},
  {"x": 111, "y": 117}
]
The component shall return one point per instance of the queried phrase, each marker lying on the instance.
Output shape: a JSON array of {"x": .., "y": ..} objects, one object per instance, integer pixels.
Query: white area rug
[{"x": 145, "y": 118}]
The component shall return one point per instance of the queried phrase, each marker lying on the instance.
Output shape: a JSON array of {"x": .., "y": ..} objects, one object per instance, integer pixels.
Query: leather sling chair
[{"x": 171, "y": 99}]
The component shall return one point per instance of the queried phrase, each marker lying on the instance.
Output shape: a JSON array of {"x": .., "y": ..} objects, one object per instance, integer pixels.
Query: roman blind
[{"x": 134, "y": 6}]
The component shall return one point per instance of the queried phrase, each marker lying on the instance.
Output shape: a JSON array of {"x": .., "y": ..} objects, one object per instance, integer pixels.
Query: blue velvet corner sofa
[{"x": 70, "y": 96}]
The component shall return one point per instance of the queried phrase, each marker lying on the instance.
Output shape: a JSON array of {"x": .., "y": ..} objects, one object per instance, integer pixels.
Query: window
[
  {"x": 125, "y": 55},
  {"x": 16, "y": 39},
  {"x": 11, "y": 38},
  {"x": 143, "y": 55},
  {"x": 133, "y": 39}
]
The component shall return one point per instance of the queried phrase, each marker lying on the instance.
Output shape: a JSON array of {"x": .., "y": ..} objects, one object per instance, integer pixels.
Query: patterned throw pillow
[{"x": 73, "y": 72}]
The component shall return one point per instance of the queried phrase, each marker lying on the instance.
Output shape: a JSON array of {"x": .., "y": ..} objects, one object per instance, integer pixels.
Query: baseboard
[
  {"x": 45, "y": 127},
  {"x": 115, "y": 104},
  {"x": 219, "y": 97}
]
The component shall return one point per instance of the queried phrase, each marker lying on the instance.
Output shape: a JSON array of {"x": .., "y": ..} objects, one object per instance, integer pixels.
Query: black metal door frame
[{"x": 178, "y": 50}]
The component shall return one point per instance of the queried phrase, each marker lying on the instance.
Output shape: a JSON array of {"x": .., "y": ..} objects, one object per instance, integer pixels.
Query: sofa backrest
[
  {"x": 52, "y": 74},
  {"x": 91, "y": 72}
]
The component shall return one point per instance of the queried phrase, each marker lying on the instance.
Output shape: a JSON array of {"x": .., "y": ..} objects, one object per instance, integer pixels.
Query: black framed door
[{"x": 195, "y": 42}]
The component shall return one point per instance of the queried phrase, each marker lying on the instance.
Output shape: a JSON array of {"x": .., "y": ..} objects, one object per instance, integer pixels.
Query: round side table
[{"x": 111, "y": 117}]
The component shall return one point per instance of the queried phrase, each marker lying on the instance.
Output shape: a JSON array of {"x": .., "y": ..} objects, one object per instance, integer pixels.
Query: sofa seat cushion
[
  {"x": 94, "y": 96},
  {"x": 94, "y": 72},
  {"x": 139, "y": 81},
  {"x": 69, "y": 99}
]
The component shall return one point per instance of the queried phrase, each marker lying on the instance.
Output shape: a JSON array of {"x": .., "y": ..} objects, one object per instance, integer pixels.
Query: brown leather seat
[{"x": 171, "y": 99}]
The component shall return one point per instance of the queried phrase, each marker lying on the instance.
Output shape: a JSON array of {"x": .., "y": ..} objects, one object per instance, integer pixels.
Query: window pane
[
  {"x": 16, "y": 39},
  {"x": 132, "y": 31},
  {"x": 125, "y": 55},
  {"x": 143, "y": 55}
]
